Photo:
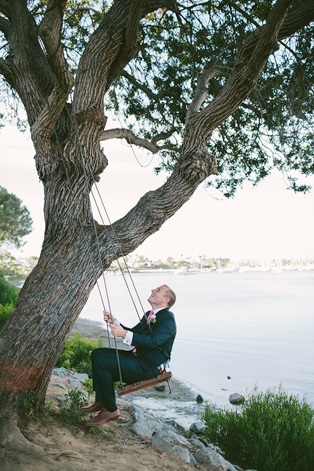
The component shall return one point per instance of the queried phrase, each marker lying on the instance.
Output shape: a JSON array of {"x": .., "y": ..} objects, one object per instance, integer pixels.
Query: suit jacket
[{"x": 154, "y": 342}]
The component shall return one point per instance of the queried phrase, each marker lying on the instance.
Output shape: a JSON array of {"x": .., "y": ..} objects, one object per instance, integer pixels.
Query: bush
[
  {"x": 8, "y": 292},
  {"x": 8, "y": 297},
  {"x": 5, "y": 312},
  {"x": 270, "y": 431},
  {"x": 76, "y": 354}
]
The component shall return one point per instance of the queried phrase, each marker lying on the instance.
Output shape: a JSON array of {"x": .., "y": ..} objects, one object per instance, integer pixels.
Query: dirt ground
[{"x": 117, "y": 448}]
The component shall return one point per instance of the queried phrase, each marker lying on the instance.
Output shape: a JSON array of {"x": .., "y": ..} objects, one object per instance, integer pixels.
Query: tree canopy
[
  {"x": 189, "y": 51},
  {"x": 15, "y": 220}
]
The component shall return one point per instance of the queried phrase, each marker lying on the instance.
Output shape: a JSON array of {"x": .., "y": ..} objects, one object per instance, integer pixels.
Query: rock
[
  {"x": 161, "y": 387},
  {"x": 80, "y": 376},
  {"x": 174, "y": 423},
  {"x": 236, "y": 399},
  {"x": 60, "y": 384},
  {"x": 160, "y": 442},
  {"x": 198, "y": 428},
  {"x": 60, "y": 372},
  {"x": 75, "y": 383},
  {"x": 199, "y": 399},
  {"x": 172, "y": 437},
  {"x": 213, "y": 460},
  {"x": 144, "y": 424},
  {"x": 197, "y": 443}
]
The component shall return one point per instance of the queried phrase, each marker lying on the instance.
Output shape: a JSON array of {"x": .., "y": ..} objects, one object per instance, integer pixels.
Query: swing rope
[
  {"x": 85, "y": 165},
  {"x": 87, "y": 173}
]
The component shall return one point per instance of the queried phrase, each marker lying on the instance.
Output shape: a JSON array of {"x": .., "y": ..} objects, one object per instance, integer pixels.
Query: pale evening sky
[{"x": 265, "y": 222}]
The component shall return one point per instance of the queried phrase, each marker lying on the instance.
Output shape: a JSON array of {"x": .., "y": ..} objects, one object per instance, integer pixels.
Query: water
[{"x": 235, "y": 330}]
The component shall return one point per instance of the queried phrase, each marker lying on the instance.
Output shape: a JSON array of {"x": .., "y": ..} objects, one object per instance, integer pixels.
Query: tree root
[
  {"x": 11, "y": 438},
  {"x": 57, "y": 453}
]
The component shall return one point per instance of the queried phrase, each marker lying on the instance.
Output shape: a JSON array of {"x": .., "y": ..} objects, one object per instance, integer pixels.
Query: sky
[{"x": 262, "y": 223}]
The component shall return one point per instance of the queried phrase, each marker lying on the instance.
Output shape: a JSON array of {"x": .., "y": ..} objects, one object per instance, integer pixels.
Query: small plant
[
  {"x": 88, "y": 385},
  {"x": 70, "y": 409},
  {"x": 76, "y": 354},
  {"x": 71, "y": 413},
  {"x": 29, "y": 407},
  {"x": 271, "y": 431}
]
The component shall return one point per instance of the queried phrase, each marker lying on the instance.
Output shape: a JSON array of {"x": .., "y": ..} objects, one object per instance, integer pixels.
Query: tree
[
  {"x": 210, "y": 80},
  {"x": 15, "y": 220}
]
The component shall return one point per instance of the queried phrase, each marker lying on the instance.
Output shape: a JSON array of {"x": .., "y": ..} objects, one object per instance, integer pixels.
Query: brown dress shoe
[
  {"x": 94, "y": 407},
  {"x": 102, "y": 418}
]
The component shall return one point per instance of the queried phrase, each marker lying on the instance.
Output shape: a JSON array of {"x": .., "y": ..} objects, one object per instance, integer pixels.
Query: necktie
[
  {"x": 147, "y": 321},
  {"x": 149, "y": 316}
]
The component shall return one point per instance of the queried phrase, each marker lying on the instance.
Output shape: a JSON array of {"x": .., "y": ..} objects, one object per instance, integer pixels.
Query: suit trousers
[{"x": 105, "y": 365}]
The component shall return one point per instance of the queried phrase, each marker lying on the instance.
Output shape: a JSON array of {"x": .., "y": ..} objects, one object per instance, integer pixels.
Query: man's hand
[
  {"x": 108, "y": 317},
  {"x": 117, "y": 331}
]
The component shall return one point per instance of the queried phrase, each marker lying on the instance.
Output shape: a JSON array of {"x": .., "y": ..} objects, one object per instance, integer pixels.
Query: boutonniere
[{"x": 152, "y": 319}]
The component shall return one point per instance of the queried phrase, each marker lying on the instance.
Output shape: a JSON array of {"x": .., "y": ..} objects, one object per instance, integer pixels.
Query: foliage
[
  {"x": 15, "y": 220},
  {"x": 71, "y": 408},
  {"x": 8, "y": 297},
  {"x": 273, "y": 128},
  {"x": 8, "y": 293},
  {"x": 76, "y": 354},
  {"x": 177, "y": 46},
  {"x": 29, "y": 407},
  {"x": 271, "y": 430}
]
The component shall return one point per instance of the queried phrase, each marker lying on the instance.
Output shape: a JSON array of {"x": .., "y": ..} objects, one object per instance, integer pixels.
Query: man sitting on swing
[{"x": 152, "y": 339}]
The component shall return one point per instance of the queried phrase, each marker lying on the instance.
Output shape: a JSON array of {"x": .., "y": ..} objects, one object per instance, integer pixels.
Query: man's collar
[{"x": 158, "y": 309}]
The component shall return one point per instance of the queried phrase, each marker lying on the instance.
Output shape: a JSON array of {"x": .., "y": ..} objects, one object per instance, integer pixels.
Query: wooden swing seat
[{"x": 128, "y": 388}]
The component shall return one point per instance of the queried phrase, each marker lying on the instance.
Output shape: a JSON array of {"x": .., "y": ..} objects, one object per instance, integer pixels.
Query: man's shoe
[
  {"x": 98, "y": 406},
  {"x": 102, "y": 418}
]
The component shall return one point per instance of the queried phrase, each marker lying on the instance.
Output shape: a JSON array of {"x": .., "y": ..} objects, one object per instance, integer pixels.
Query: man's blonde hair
[{"x": 171, "y": 295}]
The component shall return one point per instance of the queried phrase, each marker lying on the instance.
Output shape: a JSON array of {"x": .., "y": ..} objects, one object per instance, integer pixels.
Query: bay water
[{"x": 236, "y": 331}]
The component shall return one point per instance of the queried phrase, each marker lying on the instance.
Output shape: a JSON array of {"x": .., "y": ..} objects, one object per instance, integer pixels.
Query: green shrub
[
  {"x": 271, "y": 431},
  {"x": 76, "y": 354},
  {"x": 5, "y": 312},
  {"x": 8, "y": 292},
  {"x": 71, "y": 409},
  {"x": 8, "y": 297}
]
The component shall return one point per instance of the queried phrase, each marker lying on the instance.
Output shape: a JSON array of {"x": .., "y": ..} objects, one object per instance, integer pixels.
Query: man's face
[{"x": 158, "y": 297}]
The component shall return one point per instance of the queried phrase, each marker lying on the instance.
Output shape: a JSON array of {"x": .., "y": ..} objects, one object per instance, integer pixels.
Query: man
[{"x": 152, "y": 339}]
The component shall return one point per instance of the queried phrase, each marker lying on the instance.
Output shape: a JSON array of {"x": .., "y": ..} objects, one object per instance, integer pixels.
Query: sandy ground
[{"x": 113, "y": 447}]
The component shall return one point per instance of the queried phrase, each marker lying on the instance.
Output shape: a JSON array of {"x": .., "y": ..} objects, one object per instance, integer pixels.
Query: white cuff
[{"x": 128, "y": 338}]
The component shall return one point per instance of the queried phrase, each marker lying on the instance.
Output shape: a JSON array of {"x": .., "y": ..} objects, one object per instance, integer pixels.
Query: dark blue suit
[{"x": 153, "y": 344}]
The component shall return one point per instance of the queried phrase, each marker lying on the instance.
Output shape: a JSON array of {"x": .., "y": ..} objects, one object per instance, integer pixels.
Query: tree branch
[
  {"x": 201, "y": 92},
  {"x": 140, "y": 86},
  {"x": 5, "y": 70},
  {"x": 4, "y": 25},
  {"x": 131, "y": 138},
  {"x": 5, "y": 8},
  {"x": 50, "y": 33},
  {"x": 297, "y": 19},
  {"x": 251, "y": 61},
  {"x": 155, "y": 207}
]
